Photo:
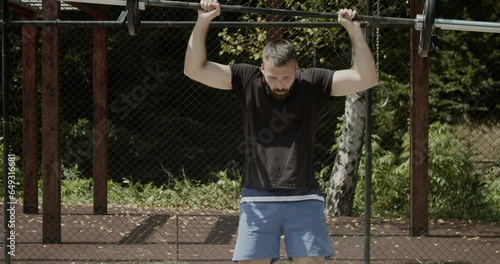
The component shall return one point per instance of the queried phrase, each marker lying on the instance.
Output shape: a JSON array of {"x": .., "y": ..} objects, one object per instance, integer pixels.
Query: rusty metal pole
[{"x": 368, "y": 151}]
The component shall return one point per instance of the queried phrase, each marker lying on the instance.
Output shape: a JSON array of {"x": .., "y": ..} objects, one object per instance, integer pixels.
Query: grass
[{"x": 223, "y": 194}]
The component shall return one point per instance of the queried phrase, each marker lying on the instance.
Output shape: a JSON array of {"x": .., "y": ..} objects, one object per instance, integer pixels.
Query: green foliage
[
  {"x": 391, "y": 121},
  {"x": 322, "y": 176},
  {"x": 74, "y": 188},
  {"x": 493, "y": 184},
  {"x": 461, "y": 82},
  {"x": 77, "y": 145},
  {"x": 183, "y": 193},
  {"x": 390, "y": 183},
  {"x": 247, "y": 42},
  {"x": 311, "y": 43},
  {"x": 459, "y": 189},
  {"x": 463, "y": 68}
]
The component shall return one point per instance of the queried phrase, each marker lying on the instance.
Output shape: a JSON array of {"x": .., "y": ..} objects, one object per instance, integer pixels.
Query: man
[{"x": 280, "y": 107}]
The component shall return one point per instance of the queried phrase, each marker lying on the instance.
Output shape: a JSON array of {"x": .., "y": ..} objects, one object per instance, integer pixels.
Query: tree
[{"x": 344, "y": 177}]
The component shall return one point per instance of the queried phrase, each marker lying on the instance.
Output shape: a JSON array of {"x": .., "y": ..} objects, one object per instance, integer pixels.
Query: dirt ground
[{"x": 137, "y": 235}]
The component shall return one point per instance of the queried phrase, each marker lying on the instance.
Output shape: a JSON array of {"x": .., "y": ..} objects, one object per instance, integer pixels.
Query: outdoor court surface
[{"x": 135, "y": 235}]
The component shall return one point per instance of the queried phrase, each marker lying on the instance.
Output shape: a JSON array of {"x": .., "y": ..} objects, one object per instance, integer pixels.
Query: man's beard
[{"x": 285, "y": 93}]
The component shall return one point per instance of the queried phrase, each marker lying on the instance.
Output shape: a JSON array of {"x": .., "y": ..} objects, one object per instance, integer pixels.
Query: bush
[
  {"x": 223, "y": 194},
  {"x": 458, "y": 188},
  {"x": 390, "y": 183}
]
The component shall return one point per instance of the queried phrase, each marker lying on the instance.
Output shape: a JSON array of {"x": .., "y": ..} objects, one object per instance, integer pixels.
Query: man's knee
[{"x": 309, "y": 260}]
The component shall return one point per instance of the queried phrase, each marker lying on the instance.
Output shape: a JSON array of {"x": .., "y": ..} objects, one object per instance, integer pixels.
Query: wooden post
[
  {"x": 274, "y": 33},
  {"x": 100, "y": 83},
  {"x": 30, "y": 186},
  {"x": 51, "y": 166},
  {"x": 419, "y": 133},
  {"x": 100, "y": 120}
]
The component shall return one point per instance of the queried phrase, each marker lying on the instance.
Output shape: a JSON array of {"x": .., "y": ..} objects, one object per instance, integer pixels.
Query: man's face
[{"x": 279, "y": 79}]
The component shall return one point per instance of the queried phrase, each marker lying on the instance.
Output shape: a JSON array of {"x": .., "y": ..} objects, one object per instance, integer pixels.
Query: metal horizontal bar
[
  {"x": 142, "y": 5},
  {"x": 466, "y": 25},
  {"x": 232, "y": 24},
  {"x": 69, "y": 23},
  {"x": 243, "y": 24},
  {"x": 376, "y": 20},
  {"x": 241, "y": 9}
]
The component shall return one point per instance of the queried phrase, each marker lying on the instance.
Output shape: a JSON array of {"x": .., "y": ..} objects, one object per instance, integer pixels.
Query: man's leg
[
  {"x": 259, "y": 230},
  {"x": 260, "y": 261},
  {"x": 307, "y": 239},
  {"x": 309, "y": 260}
]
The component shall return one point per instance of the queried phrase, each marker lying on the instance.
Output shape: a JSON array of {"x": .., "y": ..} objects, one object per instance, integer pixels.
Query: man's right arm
[{"x": 196, "y": 66}]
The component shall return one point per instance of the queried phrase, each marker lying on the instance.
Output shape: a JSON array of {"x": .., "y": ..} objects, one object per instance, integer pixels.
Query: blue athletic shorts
[{"x": 302, "y": 223}]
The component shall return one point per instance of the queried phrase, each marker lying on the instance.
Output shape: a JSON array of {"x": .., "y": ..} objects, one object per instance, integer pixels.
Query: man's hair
[{"x": 279, "y": 51}]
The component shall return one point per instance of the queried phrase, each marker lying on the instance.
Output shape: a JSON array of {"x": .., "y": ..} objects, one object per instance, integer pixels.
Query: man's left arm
[{"x": 364, "y": 73}]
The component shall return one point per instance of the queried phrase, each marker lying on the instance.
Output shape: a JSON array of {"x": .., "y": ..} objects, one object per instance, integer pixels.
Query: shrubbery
[{"x": 458, "y": 189}]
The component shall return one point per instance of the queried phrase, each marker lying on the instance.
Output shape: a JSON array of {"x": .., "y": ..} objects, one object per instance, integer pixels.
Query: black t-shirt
[{"x": 280, "y": 134}]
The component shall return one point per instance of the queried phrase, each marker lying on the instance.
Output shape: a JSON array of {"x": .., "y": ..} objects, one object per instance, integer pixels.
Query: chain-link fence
[{"x": 149, "y": 161}]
